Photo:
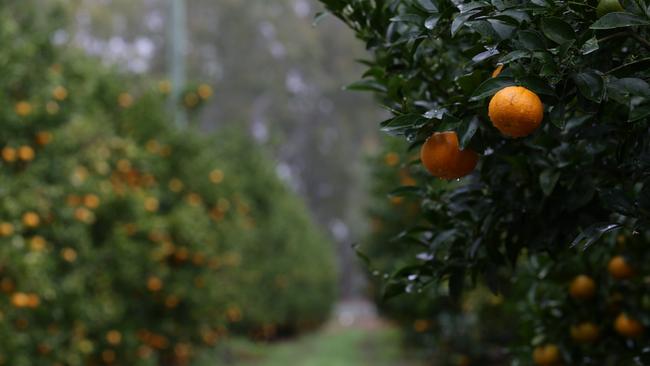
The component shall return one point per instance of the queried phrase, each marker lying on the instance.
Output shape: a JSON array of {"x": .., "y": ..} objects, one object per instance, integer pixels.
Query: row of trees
[
  {"x": 544, "y": 106},
  {"x": 124, "y": 240}
]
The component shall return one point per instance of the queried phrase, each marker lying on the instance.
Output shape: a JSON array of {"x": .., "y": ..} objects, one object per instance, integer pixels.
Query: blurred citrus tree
[
  {"x": 123, "y": 240},
  {"x": 544, "y": 106}
]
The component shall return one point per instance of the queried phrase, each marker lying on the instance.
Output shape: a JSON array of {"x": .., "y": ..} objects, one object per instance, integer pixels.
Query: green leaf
[
  {"x": 531, "y": 40},
  {"x": 590, "y": 46},
  {"x": 619, "y": 20},
  {"x": 460, "y": 20},
  {"x": 592, "y": 234},
  {"x": 467, "y": 131},
  {"x": 408, "y": 18},
  {"x": 591, "y": 85},
  {"x": 514, "y": 56},
  {"x": 406, "y": 191},
  {"x": 557, "y": 115},
  {"x": 548, "y": 179},
  {"x": 490, "y": 87},
  {"x": 432, "y": 21},
  {"x": 428, "y": 5},
  {"x": 399, "y": 124},
  {"x": 557, "y": 30},
  {"x": 538, "y": 85},
  {"x": 367, "y": 85}
]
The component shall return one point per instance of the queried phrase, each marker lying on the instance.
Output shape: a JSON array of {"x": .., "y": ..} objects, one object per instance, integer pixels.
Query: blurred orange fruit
[
  {"x": 37, "y": 243},
  {"x": 69, "y": 255},
  {"x": 31, "y": 219},
  {"x": 91, "y": 201},
  {"x": 52, "y": 107},
  {"x": 205, "y": 91},
  {"x": 497, "y": 71},
  {"x": 619, "y": 268},
  {"x": 216, "y": 176},
  {"x": 114, "y": 337},
  {"x": 151, "y": 204},
  {"x": 125, "y": 100},
  {"x": 391, "y": 159},
  {"x": 26, "y": 153},
  {"x": 43, "y": 138},
  {"x": 6, "y": 229},
  {"x": 165, "y": 86},
  {"x": 60, "y": 93},
  {"x": 9, "y": 154},
  {"x": 443, "y": 158},
  {"x": 547, "y": 355},
  {"x": 516, "y": 111},
  {"x": 582, "y": 288},
  {"x": 154, "y": 284},
  {"x": 23, "y": 109},
  {"x": 586, "y": 332},
  {"x": 628, "y": 327}
]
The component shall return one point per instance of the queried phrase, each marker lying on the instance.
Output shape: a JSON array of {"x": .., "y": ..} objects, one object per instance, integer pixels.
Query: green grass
[{"x": 340, "y": 347}]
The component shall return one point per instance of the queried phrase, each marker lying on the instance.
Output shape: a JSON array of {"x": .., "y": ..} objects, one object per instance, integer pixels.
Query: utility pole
[{"x": 177, "y": 49}]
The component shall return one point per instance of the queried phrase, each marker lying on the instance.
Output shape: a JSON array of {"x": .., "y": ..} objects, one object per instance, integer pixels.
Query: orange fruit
[
  {"x": 547, "y": 355},
  {"x": 20, "y": 300},
  {"x": 216, "y": 176},
  {"x": 191, "y": 100},
  {"x": 619, "y": 268},
  {"x": 60, "y": 93},
  {"x": 6, "y": 229},
  {"x": 125, "y": 100},
  {"x": 443, "y": 158},
  {"x": 114, "y": 337},
  {"x": 31, "y": 219},
  {"x": 69, "y": 255},
  {"x": 516, "y": 111},
  {"x": 43, "y": 138},
  {"x": 154, "y": 284},
  {"x": 582, "y": 288},
  {"x": 23, "y": 109},
  {"x": 205, "y": 91},
  {"x": 585, "y": 332},
  {"x": 26, "y": 153},
  {"x": 628, "y": 327},
  {"x": 391, "y": 159},
  {"x": 91, "y": 201},
  {"x": 9, "y": 154},
  {"x": 151, "y": 204}
]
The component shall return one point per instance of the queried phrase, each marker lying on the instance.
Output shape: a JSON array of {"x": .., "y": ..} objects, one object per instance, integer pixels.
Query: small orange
[
  {"x": 31, "y": 219},
  {"x": 516, "y": 111},
  {"x": 91, "y": 201},
  {"x": 9, "y": 154},
  {"x": 582, "y": 288},
  {"x": 628, "y": 327},
  {"x": 585, "y": 332},
  {"x": 60, "y": 93},
  {"x": 69, "y": 255},
  {"x": 443, "y": 158},
  {"x": 205, "y": 91},
  {"x": 165, "y": 87},
  {"x": 114, "y": 337},
  {"x": 547, "y": 355},
  {"x": 216, "y": 176},
  {"x": 20, "y": 300},
  {"x": 26, "y": 153},
  {"x": 151, "y": 204},
  {"x": 125, "y": 100},
  {"x": 391, "y": 159},
  {"x": 619, "y": 268},
  {"x": 43, "y": 138},
  {"x": 154, "y": 284},
  {"x": 23, "y": 109},
  {"x": 6, "y": 229},
  {"x": 191, "y": 100}
]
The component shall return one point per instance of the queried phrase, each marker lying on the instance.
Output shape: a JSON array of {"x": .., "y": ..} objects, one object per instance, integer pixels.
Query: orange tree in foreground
[{"x": 554, "y": 97}]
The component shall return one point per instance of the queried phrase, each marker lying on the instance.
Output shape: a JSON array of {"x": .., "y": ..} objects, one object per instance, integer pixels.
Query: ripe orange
[
  {"x": 391, "y": 159},
  {"x": 628, "y": 327},
  {"x": 26, "y": 153},
  {"x": 547, "y": 355},
  {"x": 6, "y": 229},
  {"x": 23, "y": 109},
  {"x": 9, "y": 154},
  {"x": 91, "y": 201},
  {"x": 516, "y": 111},
  {"x": 31, "y": 219},
  {"x": 619, "y": 268},
  {"x": 43, "y": 138},
  {"x": 69, "y": 255},
  {"x": 125, "y": 100},
  {"x": 443, "y": 158},
  {"x": 114, "y": 337},
  {"x": 60, "y": 93},
  {"x": 585, "y": 332},
  {"x": 154, "y": 284},
  {"x": 205, "y": 91},
  {"x": 582, "y": 288}
]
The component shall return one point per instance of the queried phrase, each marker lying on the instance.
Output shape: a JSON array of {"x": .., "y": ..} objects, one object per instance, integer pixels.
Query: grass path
[{"x": 355, "y": 336}]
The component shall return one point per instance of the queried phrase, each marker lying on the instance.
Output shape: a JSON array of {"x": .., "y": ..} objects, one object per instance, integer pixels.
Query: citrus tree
[
  {"x": 123, "y": 240},
  {"x": 544, "y": 107}
]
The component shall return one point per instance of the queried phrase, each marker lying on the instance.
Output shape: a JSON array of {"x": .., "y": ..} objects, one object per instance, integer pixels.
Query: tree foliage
[{"x": 554, "y": 195}]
